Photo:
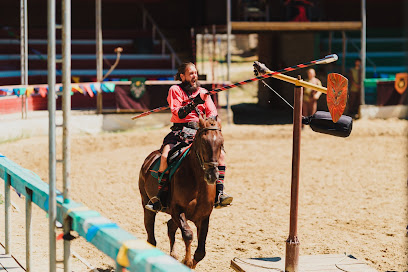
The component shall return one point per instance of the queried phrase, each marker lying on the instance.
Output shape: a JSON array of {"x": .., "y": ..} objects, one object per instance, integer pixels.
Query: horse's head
[{"x": 208, "y": 144}]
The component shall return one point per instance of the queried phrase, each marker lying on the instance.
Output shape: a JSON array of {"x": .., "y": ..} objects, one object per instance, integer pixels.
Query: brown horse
[{"x": 192, "y": 190}]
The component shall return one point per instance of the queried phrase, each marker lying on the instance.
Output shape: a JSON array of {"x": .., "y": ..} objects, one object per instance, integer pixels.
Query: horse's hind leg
[
  {"x": 187, "y": 233},
  {"x": 202, "y": 230},
  {"x": 171, "y": 231}
]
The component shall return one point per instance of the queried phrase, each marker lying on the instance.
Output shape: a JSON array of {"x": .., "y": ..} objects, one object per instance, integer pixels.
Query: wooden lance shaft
[
  {"x": 292, "y": 243},
  {"x": 299, "y": 82}
]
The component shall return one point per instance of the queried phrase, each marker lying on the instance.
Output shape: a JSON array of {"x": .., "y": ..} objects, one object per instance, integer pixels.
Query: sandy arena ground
[{"x": 353, "y": 194}]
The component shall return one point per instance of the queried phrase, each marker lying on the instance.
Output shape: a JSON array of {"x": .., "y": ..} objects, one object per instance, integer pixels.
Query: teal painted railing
[{"x": 127, "y": 250}]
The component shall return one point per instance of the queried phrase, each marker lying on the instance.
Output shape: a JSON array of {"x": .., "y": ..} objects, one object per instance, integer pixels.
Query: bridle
[{"x": 206, "y": 165}]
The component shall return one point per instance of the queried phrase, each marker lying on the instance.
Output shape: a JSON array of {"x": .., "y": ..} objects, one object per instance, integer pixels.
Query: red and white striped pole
[{"x": 325, "y": 60}]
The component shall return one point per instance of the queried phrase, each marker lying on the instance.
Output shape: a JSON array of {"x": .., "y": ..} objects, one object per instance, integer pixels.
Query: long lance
[{"x": 325, "y": 60}]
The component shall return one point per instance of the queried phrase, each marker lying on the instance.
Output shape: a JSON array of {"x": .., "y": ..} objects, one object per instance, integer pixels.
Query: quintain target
[
  {"x": 336, "y": 95},
  {"x": 336, "y": 88}
]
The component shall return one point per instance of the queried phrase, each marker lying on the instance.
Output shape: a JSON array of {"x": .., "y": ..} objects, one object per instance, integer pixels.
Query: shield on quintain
[{"x": 336, "y": 95}]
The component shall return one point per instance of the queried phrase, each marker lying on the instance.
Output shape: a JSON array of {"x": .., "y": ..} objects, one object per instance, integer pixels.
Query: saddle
[
  {"x": 186, "y": 133},
  {"x": 177, "y": 150},
  {"x": 176, "y": 156}
]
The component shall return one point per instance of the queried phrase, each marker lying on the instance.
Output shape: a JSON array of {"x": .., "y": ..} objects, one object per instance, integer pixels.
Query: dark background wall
[
  {"x": 184, "y": 13},
  {"x": 176, "y": 17}
]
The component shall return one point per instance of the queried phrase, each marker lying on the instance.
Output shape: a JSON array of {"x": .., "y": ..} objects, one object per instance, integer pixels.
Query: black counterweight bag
[{"x": 321, "y": 122}]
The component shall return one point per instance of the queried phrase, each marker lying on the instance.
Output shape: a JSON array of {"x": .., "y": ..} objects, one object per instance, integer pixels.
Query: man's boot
[
  {"x": 221, "y": 198},
  {"x": 159, "y": 202}
]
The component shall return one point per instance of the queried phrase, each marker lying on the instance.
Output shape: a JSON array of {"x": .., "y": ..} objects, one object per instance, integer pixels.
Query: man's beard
[{"x": 186, "y": 86}]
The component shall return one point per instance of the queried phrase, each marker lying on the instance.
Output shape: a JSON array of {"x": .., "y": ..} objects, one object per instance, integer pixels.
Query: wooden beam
[{"x": 295, "y": 26}]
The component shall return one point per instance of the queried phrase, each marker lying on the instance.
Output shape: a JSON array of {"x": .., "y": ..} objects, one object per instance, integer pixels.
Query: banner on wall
[
  {"x": 401, "y": 82},
  {"x": 137, "y": 87}
]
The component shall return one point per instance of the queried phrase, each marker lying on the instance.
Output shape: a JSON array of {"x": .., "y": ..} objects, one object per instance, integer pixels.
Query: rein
[{"x": 203, "y": 163}]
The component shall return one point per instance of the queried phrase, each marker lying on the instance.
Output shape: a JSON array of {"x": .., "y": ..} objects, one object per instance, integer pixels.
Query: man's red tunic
[{"x": 176, "y": 100}]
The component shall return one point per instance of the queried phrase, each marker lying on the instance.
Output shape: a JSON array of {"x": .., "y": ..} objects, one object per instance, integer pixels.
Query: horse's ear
[
  {"x": 218, "y": 119},
  {"x": 201, "y": 120}
]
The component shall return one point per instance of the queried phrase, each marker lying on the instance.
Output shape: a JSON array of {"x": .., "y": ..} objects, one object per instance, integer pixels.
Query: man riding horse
[{"x": 185, "y": 117}]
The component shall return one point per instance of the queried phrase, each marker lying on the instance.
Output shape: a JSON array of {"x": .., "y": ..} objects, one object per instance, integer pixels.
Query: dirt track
[{"x": 353, "y": 194}]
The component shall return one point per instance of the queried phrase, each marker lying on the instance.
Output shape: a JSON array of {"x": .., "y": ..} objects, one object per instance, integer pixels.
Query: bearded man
[{"x": 185, "y": 114}]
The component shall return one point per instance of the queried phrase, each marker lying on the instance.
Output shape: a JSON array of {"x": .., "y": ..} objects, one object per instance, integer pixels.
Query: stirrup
[
  {"x": 154, "y": 206},
  {"x": 225, "y": 202}
]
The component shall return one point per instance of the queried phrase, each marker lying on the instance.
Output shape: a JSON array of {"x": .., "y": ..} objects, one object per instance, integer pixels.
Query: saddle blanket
[{"x": 173, "y": 165}]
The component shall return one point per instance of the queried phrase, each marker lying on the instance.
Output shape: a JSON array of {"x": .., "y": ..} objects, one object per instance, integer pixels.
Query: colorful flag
[
  {"x": 22, "y": 91},
  {"x": 108, "y": 87},
  {"x": 43, "y": 91},
  {"x": 75, "y": 87},
  {"x": 88, "y": 90},
  {"x": 29, "y": 90},
  {"x": 92, "y": 86}
]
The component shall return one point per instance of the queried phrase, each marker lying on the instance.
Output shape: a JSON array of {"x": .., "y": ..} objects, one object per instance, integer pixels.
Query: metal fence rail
[{"x": 128, "y": 251}]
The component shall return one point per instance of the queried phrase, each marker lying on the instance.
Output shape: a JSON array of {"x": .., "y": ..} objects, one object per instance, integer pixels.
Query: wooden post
[
  {"x": 99, "y": 54},
  {"x": 363, "y": 49},
  {"x": 292, "y": 243},
  {"x": 344, "y": 44}
]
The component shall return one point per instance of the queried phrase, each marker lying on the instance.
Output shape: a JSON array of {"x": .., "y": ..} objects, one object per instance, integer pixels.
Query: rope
[
  {"x": 275, "y": 91},
  {"x": 277, "y": 94},
  {"x": 256, "y": 265},
  {"x": 284, "y": 100}
]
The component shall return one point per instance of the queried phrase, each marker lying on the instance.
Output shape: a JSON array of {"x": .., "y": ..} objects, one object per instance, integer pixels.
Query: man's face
[
  {"x": 190, "y": 76},
  {"x": 311, "y": 73},
  {"x": 357, "y": 64}
]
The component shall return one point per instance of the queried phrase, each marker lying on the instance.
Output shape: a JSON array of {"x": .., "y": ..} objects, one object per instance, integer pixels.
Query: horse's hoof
[
  {"x": 194, "y": 264},
  {"x": 188, "y": 263}
]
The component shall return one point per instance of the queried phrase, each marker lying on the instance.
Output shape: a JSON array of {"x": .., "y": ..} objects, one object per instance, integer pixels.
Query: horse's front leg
[
  {"x": 202, "y": 230},
  {"x": 181, "y": 222},
  {"x": 171, "y": 232}
]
